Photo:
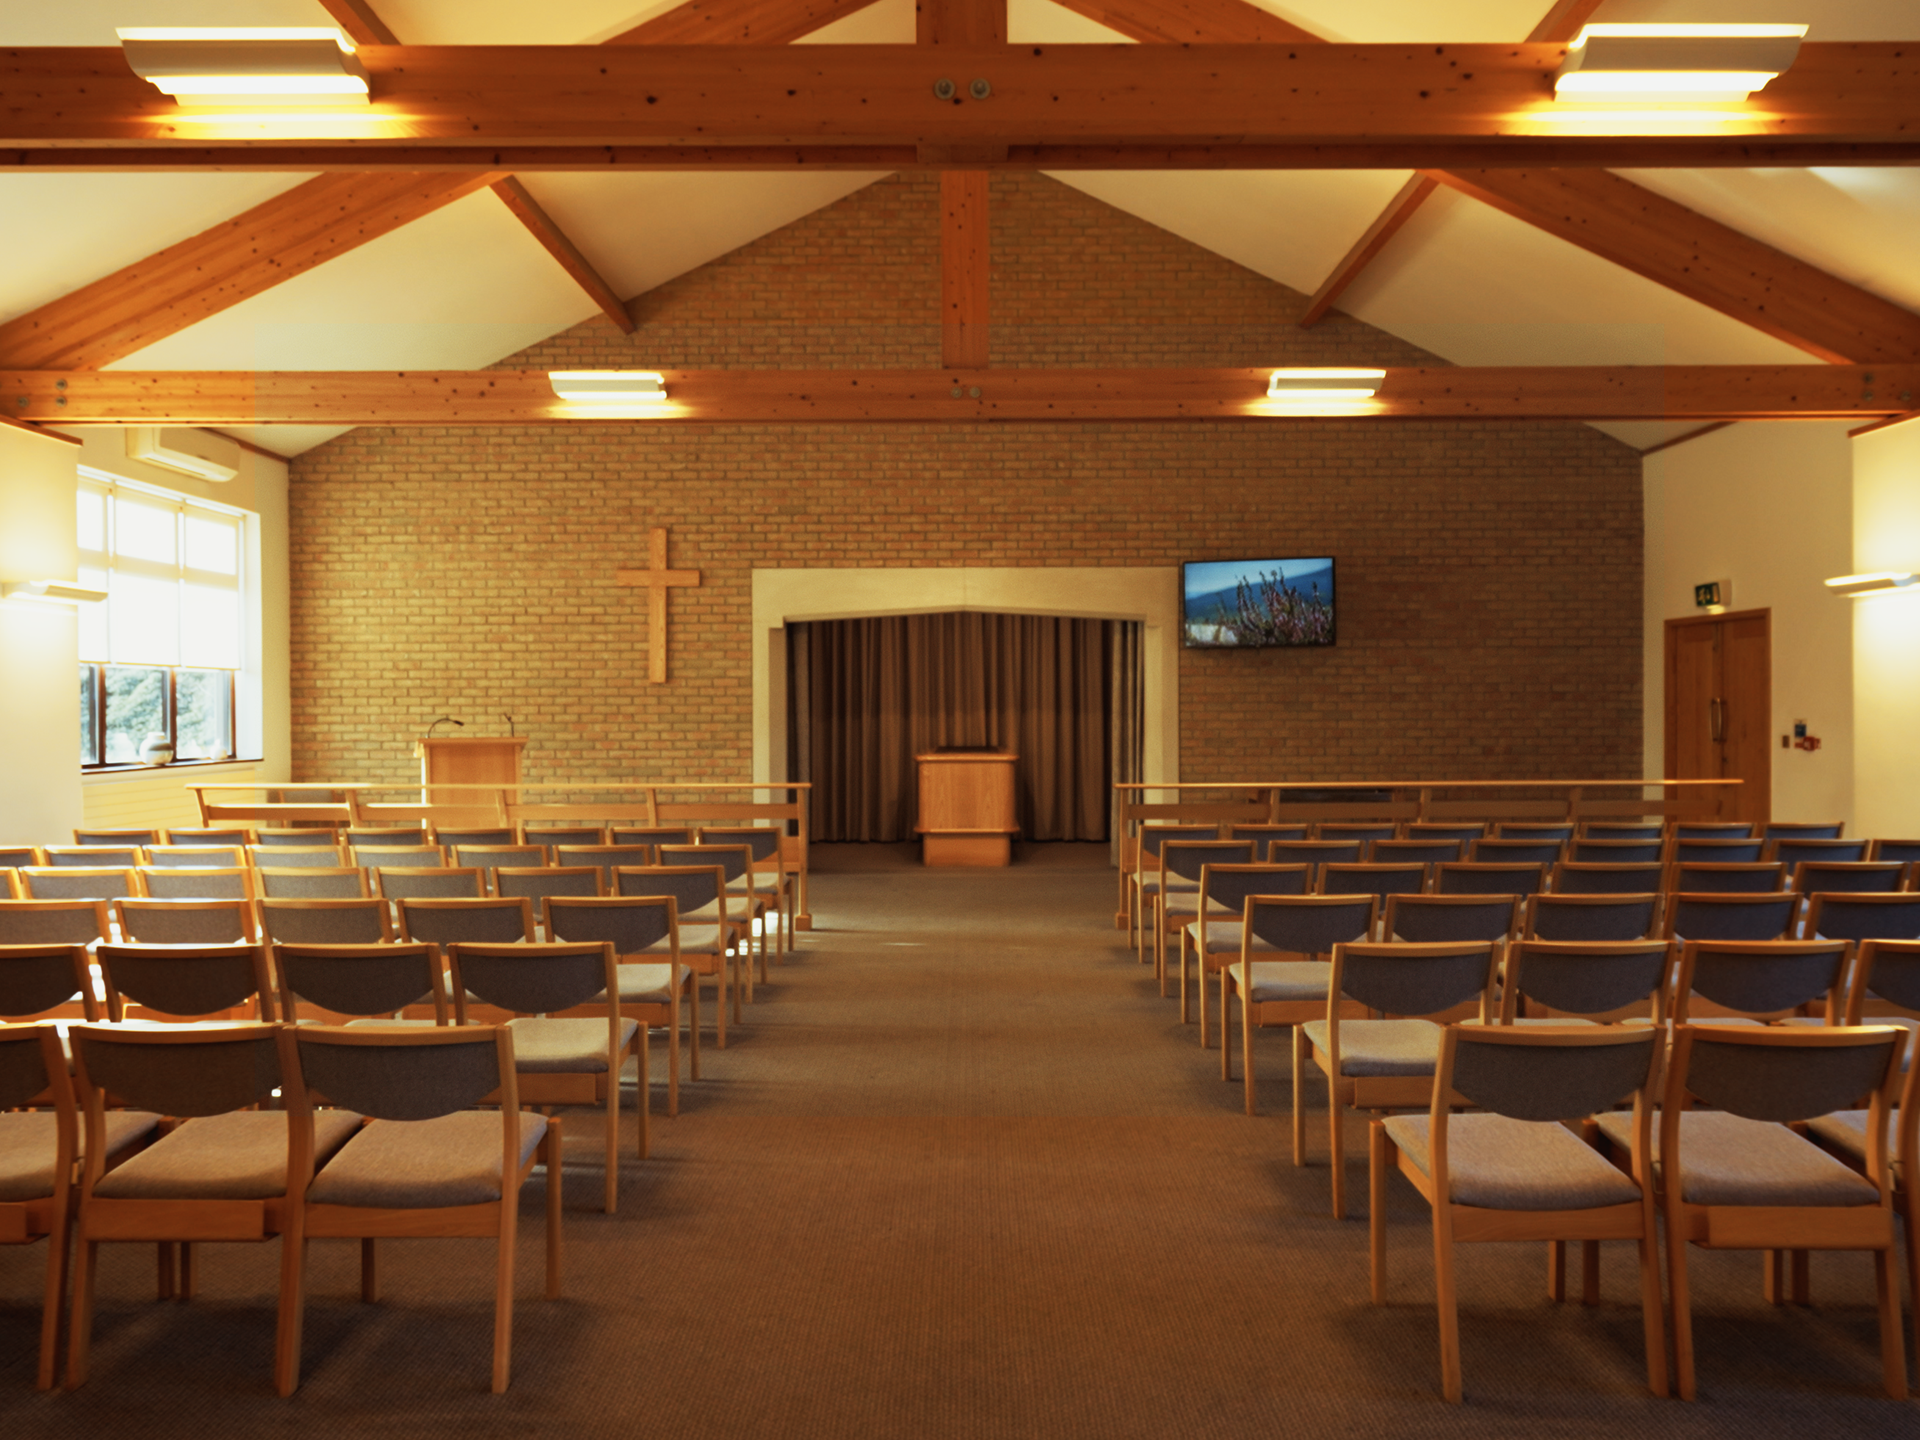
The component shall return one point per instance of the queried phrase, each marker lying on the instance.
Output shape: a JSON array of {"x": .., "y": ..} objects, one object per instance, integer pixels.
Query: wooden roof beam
[{"x": 1696, "y": 393}]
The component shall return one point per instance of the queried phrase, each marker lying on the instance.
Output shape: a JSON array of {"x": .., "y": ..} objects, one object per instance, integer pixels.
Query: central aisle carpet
[{"x": 961, "y": 1173}]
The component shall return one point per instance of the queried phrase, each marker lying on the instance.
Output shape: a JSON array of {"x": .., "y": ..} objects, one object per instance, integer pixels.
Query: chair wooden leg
[
  {"x": 189, "y": 1271},
  {"x": 1802, "y": 1278},
  {"x": 1773, "y": 1277},
  {"x": 1893, "y": 1344},
  {"x": 693, "y": 1044},
  {"x": 1183, "y": 983},
  {"x": 53, "y": 1299},
  {"x": 613, "y": 1139},
  {"x": 643, "y": 1065},
  {"x": 1556, "y": 1270},
  {"x": 1226, "y": 1036},
  {"x": 1589, "y": 1272},
  {"x": 293, "y": 1311},
  {"x": 1682, "y": 1303},
  {"x": 369, "y": 1269},
  {"x": 1651, "y": 1308},
  {"x": 86, "y": 1259},
  {"x": 1379, "y": 1154},
  {"x": 503, "y": 1283},
  {"x": 167, "y": 1261},
  {"x": 1337, "y": 1144},
  {"x": 720, "y": 998},
  {"x": 1447, "y": 1302},
  {"x": 1299, "y": 1092},
  {"x": 1246, "y": 1051},
  {"x": 554, "y": 1196},
  {"x": 1913, "y": 1276}
]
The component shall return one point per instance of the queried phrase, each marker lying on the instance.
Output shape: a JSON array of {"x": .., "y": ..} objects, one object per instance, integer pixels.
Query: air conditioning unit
[{"x": 198, "y": 453}]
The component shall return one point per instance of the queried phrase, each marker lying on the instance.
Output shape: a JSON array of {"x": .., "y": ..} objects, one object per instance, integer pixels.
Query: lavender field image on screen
[{"x": 1251, "y": 603}]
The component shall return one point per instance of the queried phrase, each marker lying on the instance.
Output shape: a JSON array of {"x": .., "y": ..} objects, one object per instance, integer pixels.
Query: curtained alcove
[{"x": 865, "y": 695}]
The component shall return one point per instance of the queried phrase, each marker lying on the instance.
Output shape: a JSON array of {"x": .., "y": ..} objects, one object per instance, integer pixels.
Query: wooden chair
[
  {"x": 53, "y": 922},
  {"x": 197, "y": 857},
  {"x": 1497, "y": 851},
  {"x": 94, "y": 857},
  {"x": 211, "y": 883},
  {"x": 549, "y": 835},
  {"x": 1592, "y": 917},
  {"x": 1903, "y": 851},
  {"x": 1379, "y": 879},
  {"x": 559, "y": 1059},
  {"x": 297, "y": 857},
  {"x": 71, "y": 883},
  {"x": 754, "y": 902},
  {"x": 216, "y": 835},
  {"x": 1446, "y": 919},
  {"x": 1730, "y": 917},
  {"x": 333, "y": 882},
  {"x": 1558, "y": 982},
  {"x": 1479, "y": 877},
  {"x": 134, "y": 835},
  {"x": 489, "y": 859},
  {"x": 1385, "y": 1064},
  {"x": 186, "y": 982},
  {"x": 298, "y": 838},
  {"x": 397, "y": 857},
  {"x": 1713, "y": 878},
  {"x": 1286, "y": 991},
  {"x": 221, "y": 1174},
  {"x": 1792, "y": 853},
  {"x": 1881, "y": 877},
  {"x": 1804, "y": 830},
  {"x": 1635, "y": 830},
  {"x": 1703, "y": 851},
  {"x": 349, "y": 982},
  {"x": 1316, "y": 853},
  {"x": 1534, "y": 830},
  {"x": 540, "y": 883},
  {"x": 1710, "y": 830},
  {"x": 1356, "y": 830},
  {"x": 1177, "y": 901},
  {"x": 650, "y": 835},
  {"x": 1263, "y": 833},
  {"x": 1864, "y": 917},
  {"x": 362, "y": 921},
  {"x": 1587, "y": 877},
  {"x": 51, "y": 981},
  {"x": 385, "y": 836},
  {"x": 12, "y": 857},
  {"x": 1216, "y": 939},
  {"x": 768, "y": 868},
  {"x": 650, "y": 978},
  {"x": 185, "y": 922},
  {"x": 451, "y": 839},
  {"x": 1143, "y": 881},
  {"x": 1594, "y": 850},
  {"x": 480, "y": 920},
  {"x": 1413, "y": 852},
  {"x": 1761, "y": 980},
  {"x": 1466, "y": 832},
  {"x": 602, "y": 857},
  {"x": 1512, "y": 1170},
  {"x": 426, "y": 1163},
  {"x": 1752, "y": 1183},
  {"x": 426, "y": 882}
]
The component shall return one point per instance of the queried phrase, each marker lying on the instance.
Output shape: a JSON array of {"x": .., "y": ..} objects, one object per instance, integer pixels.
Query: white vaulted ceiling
[{"x": 1461, "y": 280}]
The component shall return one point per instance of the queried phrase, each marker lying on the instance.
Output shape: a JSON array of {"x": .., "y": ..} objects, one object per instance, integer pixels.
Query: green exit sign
[{"x": 1711, "y": 593}]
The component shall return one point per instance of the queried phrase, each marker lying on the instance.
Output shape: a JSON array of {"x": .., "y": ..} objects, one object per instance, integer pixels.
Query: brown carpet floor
[{"x": 961, "y": 1174}]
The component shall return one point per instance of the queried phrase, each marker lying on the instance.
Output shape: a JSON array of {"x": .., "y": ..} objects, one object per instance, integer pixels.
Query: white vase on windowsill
[{"x": 156, "y": 749}]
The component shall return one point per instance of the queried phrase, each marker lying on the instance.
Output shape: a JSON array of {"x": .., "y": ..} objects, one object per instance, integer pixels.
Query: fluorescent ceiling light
[
  {"x": 50, "y": 592},
  {"x": 248, "y": 66},
  {"x": 1307, "y": 385},
  {"x": 1679, "y": 63},
  {"x": 609, "y": 387},
  {"x": 1880, "y": 582}
]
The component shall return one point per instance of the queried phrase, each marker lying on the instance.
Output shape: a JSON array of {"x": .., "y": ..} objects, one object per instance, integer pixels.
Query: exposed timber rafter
[
  {"x": 359, "y": 22},
  {"x": 965, "y": 228},
  {"x": 738, "y": 22},
  {"x": 1697, "y": 393}
]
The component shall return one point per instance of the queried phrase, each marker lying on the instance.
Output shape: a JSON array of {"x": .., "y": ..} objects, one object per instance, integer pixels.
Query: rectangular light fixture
[
  {"x": 1310, "y": 385},
  {"x": 1880, "y": 582},
  {"x": 51, "y": 592},
  {"x": 235, "y": 66},
  {"x": 609, "y": 387},
  {"x": 1677, "y": 64}
]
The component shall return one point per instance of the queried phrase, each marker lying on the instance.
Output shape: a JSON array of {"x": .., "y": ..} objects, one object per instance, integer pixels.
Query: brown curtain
[
  {"x": 865, "y": 696},
  {"x": 1128, "y": 717}
]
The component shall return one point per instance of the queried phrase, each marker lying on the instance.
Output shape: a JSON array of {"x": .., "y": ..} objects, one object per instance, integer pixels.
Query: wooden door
[{"x": 1720, "y": 712}]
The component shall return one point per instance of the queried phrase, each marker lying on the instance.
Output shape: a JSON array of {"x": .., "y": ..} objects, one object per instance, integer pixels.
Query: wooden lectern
[
  {"x": 459, "y": 760},
  {"x": 966, "y": 808}
]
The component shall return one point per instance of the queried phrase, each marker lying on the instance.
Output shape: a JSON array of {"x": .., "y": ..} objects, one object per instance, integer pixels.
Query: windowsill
[{"x": 124, "y": 772}]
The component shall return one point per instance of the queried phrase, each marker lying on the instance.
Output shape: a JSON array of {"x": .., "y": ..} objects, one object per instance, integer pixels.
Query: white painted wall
[
  {"x": 1886, "y": 634},
  {"x": 39, "y": 643},
  {"x": 1769, "y": 506}
]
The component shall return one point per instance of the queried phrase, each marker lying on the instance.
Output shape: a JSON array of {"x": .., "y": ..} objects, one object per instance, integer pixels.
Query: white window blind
[{"x": 171, "y": 568}]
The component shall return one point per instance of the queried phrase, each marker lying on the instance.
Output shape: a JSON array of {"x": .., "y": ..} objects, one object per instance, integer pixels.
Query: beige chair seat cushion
[
  {"x": 694, "y": 939},
  {"x": 564, "y": 1047},
  {"x": 423, "y": 1164},
  {"x": 1499, "y": 1163},
  {"x": 1382, "y": 1047},
  {"x": 1187, "y": 902},
  {"x": 1275, "y": 980},
  {"x": 238, "y": 1156},
  {"x": 643, "y": 985},
  {"x": 1731, "y": 1160},
  {"x": 28, "y": 1141},
  {"x": 1222, "y": 937},
  {"x": 1846, "y": 1131}
]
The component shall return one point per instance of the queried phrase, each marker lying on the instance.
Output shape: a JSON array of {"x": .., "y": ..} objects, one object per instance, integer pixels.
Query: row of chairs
[
  {"x": 422, "y": 833},
  {"x": 178, "y": 1135}
]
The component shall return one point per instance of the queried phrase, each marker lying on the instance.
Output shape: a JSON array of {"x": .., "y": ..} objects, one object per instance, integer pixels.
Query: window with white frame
[{"x": 159, "y": 657}]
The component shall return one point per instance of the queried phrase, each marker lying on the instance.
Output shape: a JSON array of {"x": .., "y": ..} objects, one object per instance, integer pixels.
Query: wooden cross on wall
[{"x": 657, "y": 578}]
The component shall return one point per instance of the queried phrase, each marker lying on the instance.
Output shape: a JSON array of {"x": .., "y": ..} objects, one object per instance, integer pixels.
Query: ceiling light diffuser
[
  {"x": 609, "y": 387},
  {"x": 300, "y": 66},
  {"x": 1880, "y": 582},
  {"x": 1682, "y": 64},
  {"x": 51, "y": 592},
  {"x": 1313, "y": 384}
]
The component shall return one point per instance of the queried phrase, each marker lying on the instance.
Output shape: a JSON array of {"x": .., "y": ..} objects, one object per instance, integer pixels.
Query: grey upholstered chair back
[
  {"x": 304, "y": 839},
  {"x": 426, "y": 1074},
  {"x": 1465, "y": 833},
  {"x": 1340, "y": 830},
  {"x": 1152, "y": 837},
  {"x": 382, "y": 836},
  {"x": 108, "y": 839},
  {"x": 1591, "y": 917},
  {"x": 1902, "y": 851},
  {"x": 196, "y": 1072},
  {"x": 12, "y": 857},
  {"x": 1763, "y": 977},
  {"x": 606, "y": 857},
  {"x": 345, "y": 882},
  {"x": 404, "y": 882},
  {"x": 1710, "y": 878},
  {"x": 1588, "y": 978},
  {"x": 1530, "y": 1076},
  {"x": 49, "y": 884},
  {"x": 1724, "y": 852},
  {"x": 1479, "y": 877},
  {"x": 1712, "y": 830},
  {"x": 197, "y": 857},
  {"x": 489, "y": 922},
  {"x": 490, "y": 858},
  {"x": 208, "y": 884},
  {"x": 618, "y": 920},
  {"x": 352, "y": 920},
  {"x": 36, "y": 978},
  {"x": 398, "y": 857},
  {"x": 1749, "y": 917},
  {"x": 1805, "y": 830},
  {"x": 1848, "y": 877},
  {"x": 1623, "y": 830},
  {"x": 1864, "y": 917},
  {"x": 1377, "y": 878},
  {"x": 538, "y": 882},
  {"x": 184, "y": 922},
  {"x": 358, "y": 979},
  {"x": 730, "y": 858},
  {"x": 1517, "y": 852},
  {"x": 1314, "y": 852},
  {"x": 299, "y": 857},
  {"x": 650, "y": 835},
  {"x": 1892, "y": 971},
  {"x": 1410, "y": 852},
  {"x": 1529, "y": 830},
  {"x": 451, "y": 840},
  {"x": 551, "y": 835},
  {"x": 1261, "y": 834},
  {"x": 52, "y": 922},
  {"x": 1791, "y": 852},
  {"x": 1442, "y": 920},
  {"x": 762, "y": 840},
  {"x": 532, "y": 979},
  {"x": 230, "y": 837},
  {"x": 1231, "y": 885},
  {"x": 1743, "y": 1074},
  {"x": 1597, "y": 851},
  {"x": 1583, "y": 877},
  {"x": 23, "y": 1067},
  {"x": 183, "y": 979},
  {"x": 1186, "y": 858},
  {"x": 1313, "y": 924},
  {"x": 1409, "y": 980},
  {"x": 95, "y": 857}
]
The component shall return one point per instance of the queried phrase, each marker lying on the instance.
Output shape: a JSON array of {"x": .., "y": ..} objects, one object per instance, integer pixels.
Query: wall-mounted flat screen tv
[{"x": 1254, "y": 604}]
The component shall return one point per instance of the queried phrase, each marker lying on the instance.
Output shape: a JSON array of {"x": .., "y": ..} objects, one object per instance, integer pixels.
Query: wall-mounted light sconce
[
  {"x": 248, "y": 66},
  {"x": 51, "y": 592},
  {"x": 1880, "y": 582},
  {"x": 1674, "y": 64},
  {"x": 609, "y": 387},
  {"x": 1308, "y": 386}
]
